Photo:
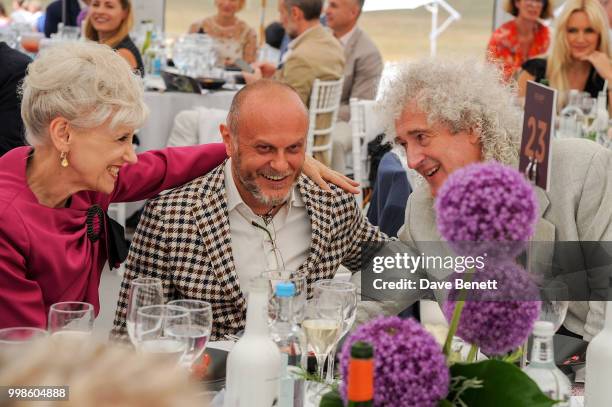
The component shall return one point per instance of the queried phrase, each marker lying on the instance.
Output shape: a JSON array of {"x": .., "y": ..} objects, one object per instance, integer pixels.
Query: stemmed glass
[
  {"x": 554, "y": 303},
  {"x": 154, "y": 327},
  {"x": 322, "y": 326},
  {"x": 71, "y": 318},
  {"x": 143, "y": 291},
  {"x": 11, "y": 337},
  {"x": 338, "y": 291},
  {"x": 197, "y": 332}
]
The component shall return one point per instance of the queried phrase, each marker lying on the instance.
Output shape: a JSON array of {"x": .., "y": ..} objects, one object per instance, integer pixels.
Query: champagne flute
[
  {"x": 197, "y": 332},
  {"x": 322, "y": 326},
  {"x": 71, "y": 318},
  {"x": 346, "y": 293},
  {"x": 154, "y": 324},
  {"x": 143, "y": 291}
]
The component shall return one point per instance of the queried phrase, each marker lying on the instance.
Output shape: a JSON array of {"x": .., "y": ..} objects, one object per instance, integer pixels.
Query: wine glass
[
  {"x": 554, "y": 303},
  {"x": 322, "y": 325},
  {"x": 143, "y": 291},
  {"x": 17, "y": 336},
  {"x": 298, "y": 279},
  {"x": 346, "y": 293},
  {"x": 196, "y": 332},
  {"x": 154, "y": 325},
  {"x": 71, "y": 318}
]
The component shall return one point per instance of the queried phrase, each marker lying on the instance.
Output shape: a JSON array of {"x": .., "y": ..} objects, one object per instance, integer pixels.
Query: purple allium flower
[
  {"x": 498, "y": 321},
  {"x": 487, "y": 202},
  {"x": 410, "y": 369}
]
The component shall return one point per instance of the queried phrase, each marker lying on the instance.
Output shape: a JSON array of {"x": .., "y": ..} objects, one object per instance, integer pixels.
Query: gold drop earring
[{"x": 63, "y": 159}]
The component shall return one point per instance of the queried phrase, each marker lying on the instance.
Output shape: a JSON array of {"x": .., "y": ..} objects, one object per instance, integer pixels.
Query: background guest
[
  {"x": 36, "y": 9},
  {"x": 4, "y": 18},
  {"x": 13, "y": 65},
  {"x": 20, "y": 13},
  {"x": 580, "y": 56},
  {"x": 521, "y": 38},
  {"x": 362, "y": 70},
  {"x": 235, "y": 39},
  {"x": 109, "y": 22},
  {"x": 54, "y": 15}
]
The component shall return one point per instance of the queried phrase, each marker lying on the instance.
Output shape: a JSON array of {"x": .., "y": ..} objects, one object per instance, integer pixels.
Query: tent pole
[{"x": 262, "y": 23}]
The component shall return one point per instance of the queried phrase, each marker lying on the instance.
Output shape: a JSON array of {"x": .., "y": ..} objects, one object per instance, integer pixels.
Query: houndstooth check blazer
[{"x": 184, "y": 239}]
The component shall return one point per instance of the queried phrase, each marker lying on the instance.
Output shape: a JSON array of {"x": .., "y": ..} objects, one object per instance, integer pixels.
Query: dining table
[{"x": 165, "y": 105}]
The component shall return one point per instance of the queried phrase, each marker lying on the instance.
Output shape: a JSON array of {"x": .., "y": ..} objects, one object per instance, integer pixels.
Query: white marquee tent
[{"x": 433, "y": 6}]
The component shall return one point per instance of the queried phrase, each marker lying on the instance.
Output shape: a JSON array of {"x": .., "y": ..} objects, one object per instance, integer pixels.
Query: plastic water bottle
[
  {"x": 290, "y": 340},
  {"x": 155, "y": 56},
  {"x": 542, "y": 368}
]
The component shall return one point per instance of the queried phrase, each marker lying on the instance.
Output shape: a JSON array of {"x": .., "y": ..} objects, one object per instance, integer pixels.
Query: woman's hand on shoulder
[
  {"x": 601, "y": 63},
  {"x": 320, "y": 173}
]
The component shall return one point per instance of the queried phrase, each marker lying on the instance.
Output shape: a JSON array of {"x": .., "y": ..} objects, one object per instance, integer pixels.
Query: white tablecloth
[{"x": 165, "y": 105}]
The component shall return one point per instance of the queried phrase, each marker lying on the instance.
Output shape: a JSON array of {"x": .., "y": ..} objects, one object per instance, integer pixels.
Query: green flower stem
[
  {"x": 473, "y": 353},
  {"x": 452, "y": 330}
]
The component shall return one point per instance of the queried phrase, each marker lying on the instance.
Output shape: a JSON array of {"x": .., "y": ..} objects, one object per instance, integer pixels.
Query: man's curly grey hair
[{"x": 461, "y": 94}]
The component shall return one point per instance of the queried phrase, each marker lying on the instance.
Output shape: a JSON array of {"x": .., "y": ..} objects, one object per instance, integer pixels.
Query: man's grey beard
[{"x": 254, "y": 190}]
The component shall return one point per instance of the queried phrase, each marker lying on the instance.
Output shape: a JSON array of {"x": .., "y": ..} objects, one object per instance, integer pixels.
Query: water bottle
[
  {"x": 571, "y": 117},
  {"x": 598, "y": 389},
  {"x": 601, "y": 119},
  {"x": 155, "y": 56},
  {"x": 542, "y": 368},
  {"x": 290, "y": 340}
]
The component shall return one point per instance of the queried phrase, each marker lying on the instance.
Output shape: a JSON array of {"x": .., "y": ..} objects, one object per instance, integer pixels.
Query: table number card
[{"x": 538, "y": 127}]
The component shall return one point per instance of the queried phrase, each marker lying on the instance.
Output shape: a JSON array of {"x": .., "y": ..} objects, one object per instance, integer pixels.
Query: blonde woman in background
[
  {"x": 235, "y": 39},
  {"x": 521, "y": 38},
  {"x": 109, "y": 22},
  {"x": 580, "y": 54},
  {"x": 98, "y": 375}
]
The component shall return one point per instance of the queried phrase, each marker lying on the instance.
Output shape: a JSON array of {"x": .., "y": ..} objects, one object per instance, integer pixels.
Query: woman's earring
[{"x": 64, "y": 159}]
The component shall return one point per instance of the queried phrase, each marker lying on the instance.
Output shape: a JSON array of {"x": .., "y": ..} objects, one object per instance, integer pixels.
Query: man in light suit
[
  {"x": 362, "y": 70},
  {"x": 313, "y": 52},
  {"x": 255, "y": 212},
  {"x": 451, "y": 113}
]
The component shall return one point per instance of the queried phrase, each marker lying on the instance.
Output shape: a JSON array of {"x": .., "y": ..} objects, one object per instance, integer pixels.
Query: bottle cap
[
  {"x": 285, "y": 289},
  {"x": 362, "y": 350},
  {"x": 543, "y": 328}
]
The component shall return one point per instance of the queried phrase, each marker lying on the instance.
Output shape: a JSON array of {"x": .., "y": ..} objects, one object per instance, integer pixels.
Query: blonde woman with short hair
[
  {"x": 235, "y": 39},
  {"x": 580, "y": 53}
]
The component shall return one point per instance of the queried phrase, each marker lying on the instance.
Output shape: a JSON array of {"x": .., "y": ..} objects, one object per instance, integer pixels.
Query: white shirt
[
  {"x": 346, "y": 37},
  {"x": 252, "y": 249}
]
